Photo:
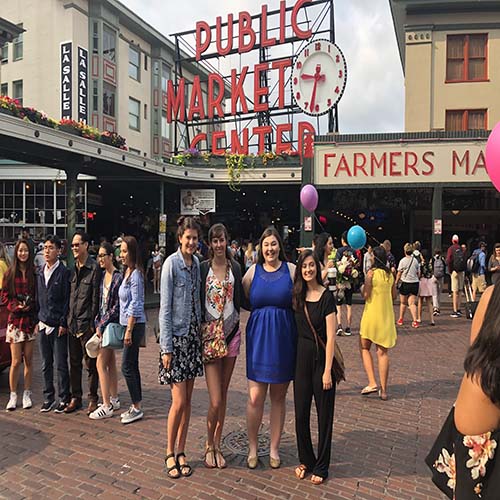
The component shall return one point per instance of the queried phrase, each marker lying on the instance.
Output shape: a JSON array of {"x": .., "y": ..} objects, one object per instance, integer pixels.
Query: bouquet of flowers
[{"x": 346, "y": 274}]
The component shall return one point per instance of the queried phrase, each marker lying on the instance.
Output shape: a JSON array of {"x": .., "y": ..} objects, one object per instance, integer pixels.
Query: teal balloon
[{"x": 356, "y": 237}]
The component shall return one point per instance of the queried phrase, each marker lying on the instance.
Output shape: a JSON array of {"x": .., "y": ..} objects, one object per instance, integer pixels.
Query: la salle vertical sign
[
  {"x": 83, "y": 95},
  {"x": 66, "y": 81}
]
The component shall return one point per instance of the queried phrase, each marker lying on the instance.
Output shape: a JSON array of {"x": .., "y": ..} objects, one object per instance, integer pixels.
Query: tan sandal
[
  {"x": 300, "y": 471},
  {"x": 219, "y": 458},
  {"x": 316, "y": 480},
  {"x": 210, "y": 450}
]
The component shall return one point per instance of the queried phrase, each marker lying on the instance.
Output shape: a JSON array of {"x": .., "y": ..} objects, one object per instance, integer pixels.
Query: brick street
[{"x": 378, "y": 448}]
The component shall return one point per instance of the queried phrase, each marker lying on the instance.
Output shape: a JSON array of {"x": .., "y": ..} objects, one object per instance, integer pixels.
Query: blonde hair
[
  {"x": 249, "y": 251},
  {"x": 408, "y": 248}
]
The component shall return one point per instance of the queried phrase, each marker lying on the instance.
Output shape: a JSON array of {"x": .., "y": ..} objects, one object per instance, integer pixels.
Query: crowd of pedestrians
[{"x": 83, "y": 314}]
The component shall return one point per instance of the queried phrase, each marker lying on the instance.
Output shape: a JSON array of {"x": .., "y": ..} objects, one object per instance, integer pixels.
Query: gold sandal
[
  {"x": 300, "y": 471},
  {"x": 219, "y": 458},
  {"x": 210, "y": 450}
]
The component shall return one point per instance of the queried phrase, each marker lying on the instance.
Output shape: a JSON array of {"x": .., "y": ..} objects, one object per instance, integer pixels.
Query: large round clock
[{"x": 318, "y": 77}]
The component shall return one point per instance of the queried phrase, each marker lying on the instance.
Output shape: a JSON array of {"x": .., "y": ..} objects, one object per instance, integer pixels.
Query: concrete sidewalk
[{"x": 378, "y": 447}]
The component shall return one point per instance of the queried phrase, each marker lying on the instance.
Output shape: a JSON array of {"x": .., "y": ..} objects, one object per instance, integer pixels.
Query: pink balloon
[
  {"x": 309, "y": 197},
  {"x": 492, "y": 156}
]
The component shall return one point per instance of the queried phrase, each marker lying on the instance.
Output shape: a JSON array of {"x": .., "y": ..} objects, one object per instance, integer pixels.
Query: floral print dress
[
  {"x": 186, "y": 357},
  {"x": 465, "y": 467}
]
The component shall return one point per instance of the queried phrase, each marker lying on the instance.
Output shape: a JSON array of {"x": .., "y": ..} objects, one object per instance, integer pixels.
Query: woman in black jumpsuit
[{"x": 313, "y": 373}]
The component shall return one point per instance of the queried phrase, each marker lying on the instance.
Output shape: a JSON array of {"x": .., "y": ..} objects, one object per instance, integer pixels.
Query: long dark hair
[
  {"x": 133, "y": 253},
  {"x": 380, "y": 259},
  {"x": 216, "y": 231},
  {"x": 482, "y": 361},
  {"x": 109, "y": 250},
  {"x": 299, "y": 284},
  {"x": 15, "y": 270},
  {"x": 271, "y": 231},
  {"x": 319, "y": 246}
]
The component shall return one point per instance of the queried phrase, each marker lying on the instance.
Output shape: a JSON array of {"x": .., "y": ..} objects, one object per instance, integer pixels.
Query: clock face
[{"x": 318, "y": 77}]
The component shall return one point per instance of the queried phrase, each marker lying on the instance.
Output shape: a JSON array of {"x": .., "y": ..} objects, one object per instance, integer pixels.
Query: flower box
[{"x": 69, "y": 129}]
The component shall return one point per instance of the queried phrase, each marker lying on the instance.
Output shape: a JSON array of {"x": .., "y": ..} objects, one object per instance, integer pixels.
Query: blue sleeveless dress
[{"x": 271, "y": 333}]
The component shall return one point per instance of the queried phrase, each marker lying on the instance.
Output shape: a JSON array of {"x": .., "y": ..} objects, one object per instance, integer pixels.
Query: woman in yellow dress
[{"x": 377, "y": 324}]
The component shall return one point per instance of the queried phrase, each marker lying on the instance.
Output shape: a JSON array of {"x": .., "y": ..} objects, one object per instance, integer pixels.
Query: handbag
[
  {"x": 214, "y": 345},
  {"x": 113, "y": 335},
  {"x": 338, "y": 367}
]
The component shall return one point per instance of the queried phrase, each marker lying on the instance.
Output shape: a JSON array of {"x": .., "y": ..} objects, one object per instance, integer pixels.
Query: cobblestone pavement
[{"x": 378, "y": 448}]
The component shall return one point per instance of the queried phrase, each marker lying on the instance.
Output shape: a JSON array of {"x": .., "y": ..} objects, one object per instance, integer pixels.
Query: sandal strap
[
  {"x": 181, "y": 454},
  {"x": 172, "y": 455}
]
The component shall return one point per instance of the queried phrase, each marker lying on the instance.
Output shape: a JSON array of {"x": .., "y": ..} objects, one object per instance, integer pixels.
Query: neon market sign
[{"x": 242, "y": 34}]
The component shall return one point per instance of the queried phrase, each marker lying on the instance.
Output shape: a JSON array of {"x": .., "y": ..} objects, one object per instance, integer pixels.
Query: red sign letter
[
  {"x": 237, "y": 91},
  {"x": 245, "y": 28},
  {"x": 196, "y": 102},
  {"x": 280, "y": 145},
  {"x": 295, "y": 24},
  {"x": 175, "y": 103},
  {"x": 237, "y": 147},
  {"x": 214, "y": 101},
  {"x": 216, "y": 136},
  {"x": 258, "y": 90},
  {"x": 261, "y": 132},
  {"x": 264, "y": 41},
  {"x": 281, "y": 65},
  {"x": 202, "y": 26},
  {"x": 218, "y": 35}
]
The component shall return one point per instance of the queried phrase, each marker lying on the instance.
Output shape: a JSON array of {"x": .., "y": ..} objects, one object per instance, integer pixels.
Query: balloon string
[{"x": 318, "y": 221}]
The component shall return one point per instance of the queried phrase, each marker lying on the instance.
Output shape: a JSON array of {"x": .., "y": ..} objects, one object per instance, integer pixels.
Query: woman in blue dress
[{"x": 271, "y": 339}]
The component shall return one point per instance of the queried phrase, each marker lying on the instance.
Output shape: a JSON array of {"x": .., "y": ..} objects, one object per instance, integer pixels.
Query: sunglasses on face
[{"x": 102, "y": 255}]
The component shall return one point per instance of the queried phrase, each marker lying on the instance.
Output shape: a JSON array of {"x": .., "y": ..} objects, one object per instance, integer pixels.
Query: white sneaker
[
  {"x": 125, "y": 414},
  {"x": 11, "y": 405},
  {"x": 27, "y": 400},
  {"x": 102, "y": 412},
  {"x": 132, "y": 416},
  {"x": 115, "y": 403}
]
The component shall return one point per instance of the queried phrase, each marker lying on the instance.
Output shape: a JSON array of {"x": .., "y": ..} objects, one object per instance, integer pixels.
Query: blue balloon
[{"x": 356, "y": 237}]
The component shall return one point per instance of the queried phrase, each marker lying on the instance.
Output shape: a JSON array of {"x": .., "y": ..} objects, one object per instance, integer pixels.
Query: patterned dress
[
  {"x": 465, "y": 467},
  {"x": 186, "y": 357}
]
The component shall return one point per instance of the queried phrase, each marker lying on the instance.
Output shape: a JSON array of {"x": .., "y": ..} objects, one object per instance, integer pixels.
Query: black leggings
[{"x": 308, "y": 383}]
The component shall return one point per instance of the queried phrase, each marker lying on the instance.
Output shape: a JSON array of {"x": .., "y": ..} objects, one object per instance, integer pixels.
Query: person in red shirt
[{"x": 18, "y": 294}]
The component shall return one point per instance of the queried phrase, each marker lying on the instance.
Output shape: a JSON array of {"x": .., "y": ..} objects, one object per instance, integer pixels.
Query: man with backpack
[
  {"x": 438, "y": 271},
  {"x": 476, "y": 265},
  {"x": 455, "y": 259}
]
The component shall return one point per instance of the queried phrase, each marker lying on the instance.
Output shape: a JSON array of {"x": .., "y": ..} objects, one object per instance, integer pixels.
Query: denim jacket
[
  {"x": 131, "y": 295},
  {"x": 176, "y": 299}
]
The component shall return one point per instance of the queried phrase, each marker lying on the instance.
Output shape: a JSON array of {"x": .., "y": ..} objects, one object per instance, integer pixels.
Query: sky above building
[{"x": 373, "y": 100}]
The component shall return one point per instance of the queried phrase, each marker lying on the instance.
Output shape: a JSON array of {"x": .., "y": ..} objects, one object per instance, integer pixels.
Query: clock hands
[{"x": 317, "y": 77}]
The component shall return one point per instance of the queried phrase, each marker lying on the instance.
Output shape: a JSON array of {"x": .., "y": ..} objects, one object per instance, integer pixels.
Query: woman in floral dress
[
  {"x": 464, "y": 459},
  {"x": 221, "y": 294}
]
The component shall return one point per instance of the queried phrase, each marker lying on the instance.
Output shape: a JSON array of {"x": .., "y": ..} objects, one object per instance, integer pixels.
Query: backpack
[
  {"x": 438, "y": 266},
  {"x": 473, "y": 264},
  {"x": 458, "y": 260}
]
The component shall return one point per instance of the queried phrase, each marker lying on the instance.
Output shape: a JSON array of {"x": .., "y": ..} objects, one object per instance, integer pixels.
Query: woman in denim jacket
[
  {"x": 133, "y": 318},
  {"x": 180, "y": 340}
]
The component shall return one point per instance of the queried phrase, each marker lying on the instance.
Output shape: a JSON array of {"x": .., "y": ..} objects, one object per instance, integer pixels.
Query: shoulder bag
[
  {"x": 338, "y": 367},
  {"x": 214, "y": 345},
  {"x": 398, "y": 285},
  {"x": 113, "y": 336}
]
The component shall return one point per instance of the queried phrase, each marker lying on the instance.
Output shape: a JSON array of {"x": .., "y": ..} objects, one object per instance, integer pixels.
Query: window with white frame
[
  {"x": 17, "y": 91},
  {"x": 18, "y": 46},
  {"x": 134, "y": 63},
  {"x": 134, "y": 114},
  {"x": 4, "y": 55}
]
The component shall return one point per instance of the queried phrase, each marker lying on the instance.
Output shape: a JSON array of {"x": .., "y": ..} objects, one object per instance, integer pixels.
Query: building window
[
  {"x": 17, "y": 91},
  {"x": 95, "y": 95},
  {"x": 4, "y": 89},
  {"x": 108, "y": 99},
  {"x": 4, "y": 57},
  {"x": 165, "y": 127},
  {"x": 134, "y": 62},
  {"x": 468, "y": 119},
  {"x": 109, "y": 44},
  {"x": 165, "y": 76},
  {"x": 134, "y": 114},
  {"x": 18, "y": 46},
  {"x": 466, "y": 58},
  {"x": 95, "y": 38},
  {"x": 145, "y": 62}
]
